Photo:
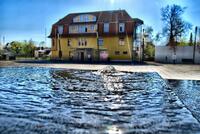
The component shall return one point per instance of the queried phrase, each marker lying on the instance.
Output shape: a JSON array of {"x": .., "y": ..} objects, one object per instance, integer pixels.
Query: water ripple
[{"x": 38, "y": 100}]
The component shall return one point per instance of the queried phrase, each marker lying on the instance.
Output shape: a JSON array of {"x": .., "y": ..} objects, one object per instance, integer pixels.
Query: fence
[{"x": 179, "y": 54}]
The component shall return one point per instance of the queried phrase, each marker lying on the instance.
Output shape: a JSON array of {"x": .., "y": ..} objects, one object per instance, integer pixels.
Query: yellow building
[{"x": 95, "y": 36}]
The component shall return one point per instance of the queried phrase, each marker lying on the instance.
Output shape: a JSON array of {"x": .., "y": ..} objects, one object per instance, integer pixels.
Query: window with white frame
[
  {"x": 121, "y": 27},
  {"x": 82, "y": 28},
  {"x": 100, "y": 41},
  {"x": 106, "y": 27},
  {"x": 85, "y": 18},
  {"x": 121, "y": 41},
  {"x": 60, "y": 29}
]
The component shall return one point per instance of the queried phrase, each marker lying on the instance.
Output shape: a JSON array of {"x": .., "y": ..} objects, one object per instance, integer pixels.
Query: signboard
[{"x": 103, "y": 55}]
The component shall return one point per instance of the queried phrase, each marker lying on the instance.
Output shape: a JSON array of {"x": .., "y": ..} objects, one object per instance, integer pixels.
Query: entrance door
[{"x": 82, "y": 56}]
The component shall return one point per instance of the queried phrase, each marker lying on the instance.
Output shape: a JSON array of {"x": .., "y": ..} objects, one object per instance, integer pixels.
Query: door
[{"x": 82, "y": 56}]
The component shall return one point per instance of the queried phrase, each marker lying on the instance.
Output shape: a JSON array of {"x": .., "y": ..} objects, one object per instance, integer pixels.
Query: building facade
[{"x": 96, "y": 36}]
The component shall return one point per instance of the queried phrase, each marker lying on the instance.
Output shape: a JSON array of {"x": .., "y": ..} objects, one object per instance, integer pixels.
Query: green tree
[
  {"x": 175, "y": 26},
  {"x": 28, "y": 48},
  {"x": 15, "y": 47},
  {"x": 183, "y": 42},
  {"x": 149, "y": 49}
]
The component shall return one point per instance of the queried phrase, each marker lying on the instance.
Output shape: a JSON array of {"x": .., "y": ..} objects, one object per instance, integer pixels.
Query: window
[
  {"x": 106, "y": 27},
  {"x": 117, "y": 53},
  {"x": 68, "y": 42},
  {"x": 82, "y": 42},
  {"x": 100, "y": 41},
  {"x": 84, "y": 18},
  {"x": 125, "y": 52},
  {"x": 82, "y": 28},
  {"x": 73, "y": 29},
  {"x": 121, "y": 42},
  {"x": 60, "y": 29},
  {"x": 92, "y": 28},
  {"x": 79, "y": 42},
  {"x": 121, "y": 27}
]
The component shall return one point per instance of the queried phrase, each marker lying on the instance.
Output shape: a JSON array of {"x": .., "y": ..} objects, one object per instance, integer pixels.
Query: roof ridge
[{"x": 122, "y": 10}]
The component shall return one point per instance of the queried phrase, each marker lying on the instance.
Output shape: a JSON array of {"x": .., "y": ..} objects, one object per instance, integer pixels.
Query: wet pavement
[{"x": 44, "y": 100}]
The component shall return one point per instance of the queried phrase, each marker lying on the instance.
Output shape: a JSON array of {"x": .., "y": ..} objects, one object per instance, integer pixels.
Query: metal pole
[
  {"x": 195, "y": 42},
  {"x": 134, "y": 40},
  {"x": 143, "y": 46},
  {"x": 45, "y": 37}
]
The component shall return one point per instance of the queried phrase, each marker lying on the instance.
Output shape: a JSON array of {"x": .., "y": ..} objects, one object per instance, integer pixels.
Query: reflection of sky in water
[{"x": 38, "y": 100}]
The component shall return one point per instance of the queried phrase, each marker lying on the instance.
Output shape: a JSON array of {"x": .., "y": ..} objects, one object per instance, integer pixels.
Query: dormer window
[
  {"x": 121, "y": 27},
  {"x": 106, "y": 27},
  {"x": 84, "y": 18}
]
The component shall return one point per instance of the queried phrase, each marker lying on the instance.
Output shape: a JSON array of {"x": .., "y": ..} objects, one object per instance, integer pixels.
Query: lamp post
[
  {"x": 195, "y": 42},
  {"x": 143, "y": 43}
]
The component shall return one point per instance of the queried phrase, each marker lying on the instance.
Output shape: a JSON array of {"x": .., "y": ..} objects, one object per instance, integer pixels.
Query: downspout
[
  {"x": 60, "y": 52},
  {"x": 98, "y": 57},
  {"x": 97, "y": 34}
]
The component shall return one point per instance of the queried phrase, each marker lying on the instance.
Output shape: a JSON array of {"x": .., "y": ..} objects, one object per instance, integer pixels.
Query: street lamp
[{"x": 195, "y": 43}]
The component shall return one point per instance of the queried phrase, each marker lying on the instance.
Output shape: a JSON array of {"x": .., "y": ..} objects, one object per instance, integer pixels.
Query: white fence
[{"x": 181, "y": 54}]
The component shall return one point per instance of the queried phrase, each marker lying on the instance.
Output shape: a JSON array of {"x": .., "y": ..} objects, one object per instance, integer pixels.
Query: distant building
[
  {"x": 41, "y": 52},
  {"x": 179, "y": 54},
  {"x": 6, "y": 55},
  {"x": 97, "y": 36}
]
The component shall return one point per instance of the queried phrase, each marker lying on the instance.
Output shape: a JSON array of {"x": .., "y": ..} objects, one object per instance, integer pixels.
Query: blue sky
[{"x": 27, "y": 19}]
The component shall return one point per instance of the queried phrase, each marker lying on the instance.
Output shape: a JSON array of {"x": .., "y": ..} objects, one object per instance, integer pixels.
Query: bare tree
[{"x": 175, "y": 26}]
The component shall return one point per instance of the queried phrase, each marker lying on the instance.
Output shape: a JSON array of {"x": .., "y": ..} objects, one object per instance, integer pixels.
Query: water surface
[{"x": 42, "y": 100}]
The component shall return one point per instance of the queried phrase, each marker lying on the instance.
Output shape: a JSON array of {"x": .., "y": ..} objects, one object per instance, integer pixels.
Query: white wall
[{"x": 166, "y": 54}]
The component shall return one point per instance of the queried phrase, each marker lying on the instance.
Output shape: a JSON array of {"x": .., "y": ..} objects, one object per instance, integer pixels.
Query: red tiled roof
[
  {"x": 102, "y": 16},
  {"x": 113, "y": 16}
]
